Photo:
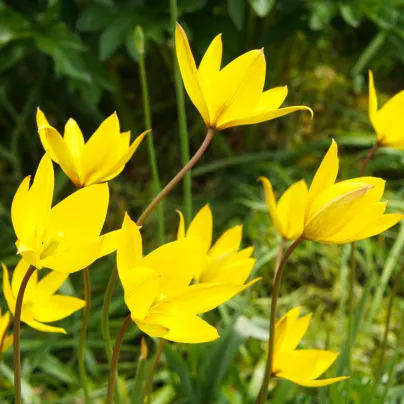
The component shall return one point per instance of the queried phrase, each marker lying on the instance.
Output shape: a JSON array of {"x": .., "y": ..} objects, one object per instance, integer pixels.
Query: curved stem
[
  {"x": 279, "y": 256},
  {"x": 149, "y": 382},
  {"x": 83, "y": 335},
  {"x": 17, "y": 333},
  {"x": 262, "y": 396},
  {"x": 379, "y": 369},
  {"x": 115, "y": 358},
  {"x": 3, "y": 338},
  {"x": 168, "y": 188},
  {"x": 365, "y": 162}
]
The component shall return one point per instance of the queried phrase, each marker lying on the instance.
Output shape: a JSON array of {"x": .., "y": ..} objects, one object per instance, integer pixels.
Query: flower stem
[
  {"x": 83, "y": 335},
  {"x": 115, "y": 358},
  {"x": 365, "y": 162},
  {"x": 17, "y": 332},
  {"x": 279, "y": 256},
  {"x": 262, "y": 396},
  {"x": 3, "y": 338},
  {"x": 149, "y": 382},
  {"x": 168, "y": 188},
  {"x": 182, "y": 120},
  {"x": 150, "y": 145},
  {"x": 379, "y": 369}
]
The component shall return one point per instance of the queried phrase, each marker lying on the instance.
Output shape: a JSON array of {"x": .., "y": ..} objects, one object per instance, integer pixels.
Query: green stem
[
  {"x": 182, "y": 120},
  {"x": 149, "y": 382},
  {"x": 3, "y": 338},
  {"x": 115, "y": 358},
  {"x": 379, "y": 369},
  {"x": 150, "y": 146},
  {"x": 83, "y": 335},
  {"x": 17, "y": 333},
  {"x": 262, "y": 396}
]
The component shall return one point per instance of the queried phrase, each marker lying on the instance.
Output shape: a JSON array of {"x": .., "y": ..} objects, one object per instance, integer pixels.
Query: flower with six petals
[
  {"x": 101, "y": 159},
  {"x": 40, "y": 305},
  {"x": 7, "y": 340},
  {"x": 233, "y": 95}
]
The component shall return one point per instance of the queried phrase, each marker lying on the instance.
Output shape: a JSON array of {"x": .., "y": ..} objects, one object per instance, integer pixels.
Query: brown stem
[
  {"x": 279, "y": 256},
  {"x": 115, "y": 359},
  {"x": 3, "y": 338},
  {"x": 17, "y": 333},
  {"x": 262, "y": 396},
  {"x": 167, "y": 189},
  {"x": 365, "y": 162}
]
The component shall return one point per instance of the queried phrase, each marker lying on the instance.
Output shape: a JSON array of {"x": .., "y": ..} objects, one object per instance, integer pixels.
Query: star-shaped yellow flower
[
  {"x": 41, "y": 304},
  {"x": 7, "y": 339},
  {"x": 232, "y": 95}
]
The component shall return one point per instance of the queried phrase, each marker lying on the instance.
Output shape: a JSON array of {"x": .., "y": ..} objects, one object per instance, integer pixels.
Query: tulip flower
[
  {"x": 387, "y": 121},
  {"x": 40, "y": 305},
  {"x": 288, "y": 214},
  {"x": 158, "y": 290},
  {"x": 300, "y": 366},
  {"x": 65, "y": 238},
  {"x": 101, "y": 159},
  {"x": 346, "y": 211},
  {"x": 6, "y": 339},
  {"x": 222, "y": 261},
  {"x": 233, "y": 95}
]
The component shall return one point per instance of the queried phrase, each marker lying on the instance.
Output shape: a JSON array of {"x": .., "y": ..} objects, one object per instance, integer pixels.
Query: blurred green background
[{"x": 78, "y": 59}]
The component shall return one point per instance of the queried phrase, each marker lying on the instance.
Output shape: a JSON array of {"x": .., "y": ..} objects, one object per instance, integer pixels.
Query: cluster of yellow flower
[{"x": 167, "y": 289}]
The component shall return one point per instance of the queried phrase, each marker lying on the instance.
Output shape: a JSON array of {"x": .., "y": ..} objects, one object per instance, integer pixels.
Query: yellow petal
[
  {"x": 372, "y": 98},
  {"x": 282, "y": 327},
  {"x": 109, "y": 242},
  {"x": 296, "y": 329},
  {"x": 74, "y": 140},
  {"x": 325, "y": 175},
  {"x": 44, "y": 327},
  {"x": 229, "y": 241},
  {"x": 189, "y": 73},
  {"x": 57, "y": 307},
  {"x": 43, "y": 129},
  {"x": 241, "y": 83},
  {"x": 272, "y": 99},
  {"x": 18, "y": 275},
  {"x": 181, "y": 226},
  {"x": 271, "y": 204},
  {"x": 8, "y": 341},
  {"x": 50, "y": 284},
  {"x": 19, "y": 216},
  {"x": 8, "y": 294},
  {"x": 150, "y": 328},
  {"x": 176, "y": 262},
  {"x": 202, "y": 227},
  {"x": 292, "y": 208},
  {"x": 245, "y": 253},
  {"x": 313, "y": 383}
]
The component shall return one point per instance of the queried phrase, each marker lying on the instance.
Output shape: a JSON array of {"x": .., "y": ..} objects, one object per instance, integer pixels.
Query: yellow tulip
[
  {"x": 300, "y": 366},
  {"x": 41, "y": 304},
  {"x": 158, "y": 290},
  {"x": 387, "y": 121},
  {"x": 288, "y": 214},
  {"x": 7, "y": 339},
  {"x": 65, "y": 238},
  {"x": 101, "y": 159},
  {"x": 234, "y": 95},
  {"x": 222, "y": 261},
  {"x": 346, "y": 211}
]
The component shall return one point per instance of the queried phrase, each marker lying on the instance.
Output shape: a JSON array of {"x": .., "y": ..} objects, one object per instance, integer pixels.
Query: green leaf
[
  {"x": 351, "y": 13},
  {"x": 236, "y": 9},
  {"x": 262, "y": 7},
  {"x": 94, "y": 18}
]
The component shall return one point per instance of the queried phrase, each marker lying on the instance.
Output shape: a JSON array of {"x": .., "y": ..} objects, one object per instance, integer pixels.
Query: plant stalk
[{"x": 367, "y": 159}]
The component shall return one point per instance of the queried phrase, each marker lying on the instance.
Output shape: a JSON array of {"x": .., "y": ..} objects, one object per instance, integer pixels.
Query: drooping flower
[
  {"x": 222, "y": 261},
  {"x": 158, "y": 290},
  {"x": 7, "y": 339},
  {"x": 65, "y": 238},
  {"x": 233, "y": 95},
  {"x": 387, "y": 121},
  {"x": 345, "y": 211},
  {"x": 101, "y": 159},
  {"x": 288, "y": 214},
  {"x": 40, "y": 305},
  {"x": 300, "y": 366}
]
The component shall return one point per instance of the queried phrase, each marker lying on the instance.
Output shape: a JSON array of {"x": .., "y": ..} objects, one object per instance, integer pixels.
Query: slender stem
[
  {"x": 17, "y": 333},
  {"x": 150, "y": 146},
  {"x": 182, "y": 119},
  {"x": 365, "y": 162},
  {"x": 4, "y": 336},
  {"x": 115, "y": 358},
  {"x": 167, "y": 189},
  {"x": 379, "y": 369},
  {"x": 149, "y": 382},
  {"x": 262, "y": 396},
  {"x": 279, "y": 256},
  {"x": 83, "y": 335}
]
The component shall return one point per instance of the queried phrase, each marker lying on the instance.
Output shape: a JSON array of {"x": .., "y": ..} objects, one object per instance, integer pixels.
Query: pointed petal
[
  {"x": 19, "y": 211},
  {"x": 245, "y": 252},
  {"x": 272, "y": 99},
  {"x": 8, "y": 341},
  {"x": 189, "y": 73},
  {"x": 74, "y": 140},
  {"x": 109, "y": 243},
  {"x": 313, "y": 383},
  {"x": 181, "y": 226},
  {"x": 295, "y": 332},
  {"x": 7, "y": 292},
  {"x": 43, "y": 128},
  {"x": 44, "y": 327},
  {"x": 229, "y": 241},
  {"x": 202, "y": 227},
  {"x": 282, "y": 328},
  {"x": 50, "y": 284},
  {"x": 372, "y": 98},
  {"x": 18, "y": 275},
  {"x": 56, "y": 308},
  {"x": 150, "y": 328}
]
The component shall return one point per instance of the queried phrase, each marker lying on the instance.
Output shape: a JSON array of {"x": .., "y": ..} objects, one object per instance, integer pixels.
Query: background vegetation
[{"x": 78, "y": 59}]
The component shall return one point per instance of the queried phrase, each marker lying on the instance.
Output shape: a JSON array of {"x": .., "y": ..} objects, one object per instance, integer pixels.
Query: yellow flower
[
  {"x": 288, "y": 214},
  {"x": 234, "y": 95},
  {"x": 388, "y": 120},
  {"x": 222, "y": 262},
  {"x": 65, "y": 238},
  {"x": 300, "y": 366},
  {"x": 7, "y": 339},
  {"x": 345, "y": 211},
  {"x": 41, "y": 304},
  {"x": 101, "y": 159},
  {"x": 157, "y": 288}
]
